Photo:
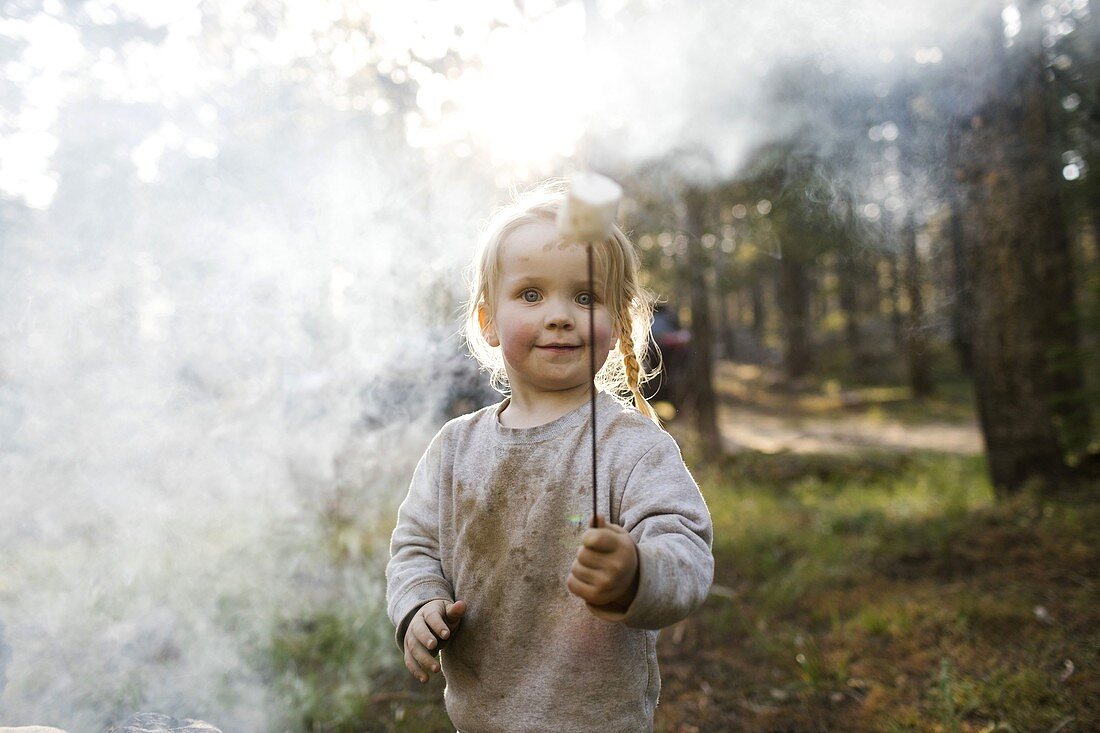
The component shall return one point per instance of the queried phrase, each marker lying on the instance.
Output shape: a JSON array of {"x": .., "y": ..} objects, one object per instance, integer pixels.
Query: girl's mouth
[{"x": 560, "y": 348}]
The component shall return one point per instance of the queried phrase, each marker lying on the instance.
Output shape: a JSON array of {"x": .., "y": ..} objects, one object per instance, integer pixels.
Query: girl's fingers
[
  {"x": 455, "y": 611},
  {"x": 592, "y": 560},
  {"x": 422, "y": 640},
  {"x": 584, "y": 573},
  {"x": 576, "y": 587},
  {"x": 601, "y": 540},
  {"x": 424, "y": 659},
  {"x": 424, "y": 635},
  {"x": 414, "y": 670},
  {"x": 579, "y": 588},
  {"x": 611, "y": 563},
  {"x": 436, "y": 623},
  {"x": 411, "y": 662}
]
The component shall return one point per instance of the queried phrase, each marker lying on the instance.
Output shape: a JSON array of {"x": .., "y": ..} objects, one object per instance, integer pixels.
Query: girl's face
[{"x": 541, "y": 311}]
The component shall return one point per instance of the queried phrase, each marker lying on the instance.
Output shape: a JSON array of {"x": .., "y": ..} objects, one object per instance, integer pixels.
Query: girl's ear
[{"x": 485, "y": 323}]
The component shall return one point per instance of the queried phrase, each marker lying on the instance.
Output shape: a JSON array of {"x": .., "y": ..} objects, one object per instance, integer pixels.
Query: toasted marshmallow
[{"x": 588, "y": 214}]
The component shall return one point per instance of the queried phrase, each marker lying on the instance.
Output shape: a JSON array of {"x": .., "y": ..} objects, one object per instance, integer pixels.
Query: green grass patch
[
  {"x": 322, "y": 669},
  {"x": 893, "y": 592},
  {"x": 797, "y": 524}
]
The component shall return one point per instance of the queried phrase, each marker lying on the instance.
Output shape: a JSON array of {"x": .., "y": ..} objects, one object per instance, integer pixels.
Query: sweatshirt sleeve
[
  {"x": 414, "y": 574},
  {"x": 665, "y": 513}
]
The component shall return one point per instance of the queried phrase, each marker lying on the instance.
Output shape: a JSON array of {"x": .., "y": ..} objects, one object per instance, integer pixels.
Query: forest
[{"x": 233, "y": 250}]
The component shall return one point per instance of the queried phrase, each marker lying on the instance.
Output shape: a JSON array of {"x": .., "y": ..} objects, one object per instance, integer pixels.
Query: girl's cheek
[
  {"x": 603, "y": 332},
  {"x": 517, "y": 339},
  {"x": 512, "y": 352}
]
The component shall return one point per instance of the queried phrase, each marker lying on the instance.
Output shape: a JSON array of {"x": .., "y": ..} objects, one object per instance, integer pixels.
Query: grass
[{"x": 888, "y": 593}]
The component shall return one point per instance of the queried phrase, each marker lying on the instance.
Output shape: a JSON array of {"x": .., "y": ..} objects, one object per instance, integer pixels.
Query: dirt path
[
  {"x": 745, "y": 428},
  {"x": 753, "y": 415}
]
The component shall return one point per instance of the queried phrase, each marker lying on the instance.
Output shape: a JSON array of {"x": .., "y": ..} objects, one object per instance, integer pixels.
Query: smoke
[
  {"x": 229, "y": 270},
  {"x": 181, "y": 398},
  {"x": 700, "y": 85},
  {"x": 225, "y": 328}
]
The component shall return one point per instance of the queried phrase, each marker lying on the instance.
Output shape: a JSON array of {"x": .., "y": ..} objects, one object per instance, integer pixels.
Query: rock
[{"x": 159, "y": 723}]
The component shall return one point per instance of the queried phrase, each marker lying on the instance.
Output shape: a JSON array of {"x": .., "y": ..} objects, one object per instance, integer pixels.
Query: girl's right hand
[{"x": 431, "y": 626}]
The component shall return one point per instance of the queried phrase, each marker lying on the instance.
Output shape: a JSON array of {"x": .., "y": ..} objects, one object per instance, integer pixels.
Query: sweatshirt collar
[{"x": 539, "y": 433}]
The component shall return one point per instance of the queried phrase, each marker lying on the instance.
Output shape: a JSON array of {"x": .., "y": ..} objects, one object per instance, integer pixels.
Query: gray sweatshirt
[{"x": 494, "y": 517}]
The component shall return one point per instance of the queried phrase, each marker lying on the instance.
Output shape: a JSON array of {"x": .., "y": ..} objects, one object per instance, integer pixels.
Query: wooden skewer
[
  {"x": 592, "y": 374},
  {"x": 588, "y": 215}
]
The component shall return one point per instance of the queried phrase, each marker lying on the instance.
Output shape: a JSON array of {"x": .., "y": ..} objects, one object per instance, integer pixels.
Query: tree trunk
[
  {"x": 851, "y": 271},
  {"x": 733, "y": 316},
  {"x": 725, "y": 340},
  {"x": 848, "y": 275},
  {"x": 759, "y": 314},
  {"x": 897, "y": 329},
  {"x": 1026, "y": 369},
  {"x": 818, "y": 297},
  {"x": 962, "y": 310},
  {"x": 795, "y": 308},
  {"x": 916, "y": 340},
  {"x": 701, "y": 390},
  {"x": 962, "y": 302}
]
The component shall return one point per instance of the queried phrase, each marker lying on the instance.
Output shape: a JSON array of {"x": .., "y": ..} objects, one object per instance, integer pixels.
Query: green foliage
[
  {"x": 801, "y": 523},
  {"x": 323, "y": 667},
  {"x": 819, "y": 673},
  {"x": 892, "y": 592},
  {"x": 1025, "y": 699},
  {"x": 953, "y": 698}
]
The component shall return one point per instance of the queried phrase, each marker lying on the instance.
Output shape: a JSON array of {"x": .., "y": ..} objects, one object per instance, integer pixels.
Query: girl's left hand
[{"x": 605, "y": 572}]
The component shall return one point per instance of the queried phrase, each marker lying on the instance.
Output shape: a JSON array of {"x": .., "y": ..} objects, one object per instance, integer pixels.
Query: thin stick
[{"x": 592, "y": 374}]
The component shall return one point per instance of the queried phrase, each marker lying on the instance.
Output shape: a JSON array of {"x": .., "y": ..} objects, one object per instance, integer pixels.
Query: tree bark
[
  {"x": 962, "y": 308},
  {"x": 848, "y": 276},
  {"x": 1026, "y": 369},
  {"x": 734, "y": 311},
  {"x": 897, "y": 329},
  {"x": 795, "y": 308},
  {"x": 701, "y": 398},
  {"x": 725, "y": 338},
  {"x": 916, "y": 340},
  {"x": 759, "y": 315}
]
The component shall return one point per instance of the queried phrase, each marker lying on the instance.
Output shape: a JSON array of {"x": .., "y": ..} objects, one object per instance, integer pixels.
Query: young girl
[{"x": 546, "y": 624}]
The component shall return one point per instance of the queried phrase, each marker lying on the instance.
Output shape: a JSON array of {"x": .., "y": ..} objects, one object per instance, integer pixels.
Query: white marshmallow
[{"x": 588, "y": 214}]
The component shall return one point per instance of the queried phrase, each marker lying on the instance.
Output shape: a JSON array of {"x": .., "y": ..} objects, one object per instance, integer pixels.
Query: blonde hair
[{"x": 629, "y": 304}]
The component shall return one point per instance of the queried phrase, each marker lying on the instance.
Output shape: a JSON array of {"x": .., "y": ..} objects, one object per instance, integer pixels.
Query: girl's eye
[
  {"x": 585, "y": 299},
  {"x": 531, "y": 296}
]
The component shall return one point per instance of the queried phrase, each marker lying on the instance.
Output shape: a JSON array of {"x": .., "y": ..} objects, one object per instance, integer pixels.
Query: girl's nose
[
  {"x": 559, "y": 317},
  {"x": 560, "y": 321}
]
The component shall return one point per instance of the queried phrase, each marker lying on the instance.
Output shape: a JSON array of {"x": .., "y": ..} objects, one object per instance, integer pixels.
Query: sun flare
[{"x": 526, "y": 102}]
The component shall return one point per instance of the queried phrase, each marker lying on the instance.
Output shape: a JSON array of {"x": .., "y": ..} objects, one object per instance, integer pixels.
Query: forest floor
[
  {"x": 866, "y": 579},
  {"x": 887, "y": 593}
]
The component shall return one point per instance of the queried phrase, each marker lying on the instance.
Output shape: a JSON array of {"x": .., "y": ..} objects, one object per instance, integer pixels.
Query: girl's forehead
[
  {"x": 537, "y": 251},
  {"x": 538, "y": 243},
  {"x": 531, "y": 236}
]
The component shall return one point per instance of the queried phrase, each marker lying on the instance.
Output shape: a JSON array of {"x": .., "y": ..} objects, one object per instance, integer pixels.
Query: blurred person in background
[{"x": 668, "y": 352}]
